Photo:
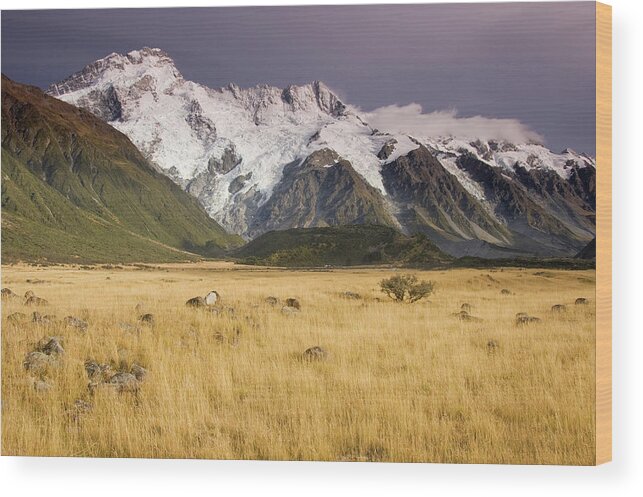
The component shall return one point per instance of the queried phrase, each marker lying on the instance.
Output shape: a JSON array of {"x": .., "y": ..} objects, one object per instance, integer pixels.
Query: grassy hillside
[
  {"x": 75, "y": 189},
  {"x": 340, "y": 246}
]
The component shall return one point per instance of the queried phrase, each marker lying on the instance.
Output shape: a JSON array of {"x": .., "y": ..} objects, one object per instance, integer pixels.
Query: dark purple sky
[{"x": 530, "y": 61}]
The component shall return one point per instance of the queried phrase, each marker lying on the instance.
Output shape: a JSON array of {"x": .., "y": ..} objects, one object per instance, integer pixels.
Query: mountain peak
[{"x": 132, "y": 65}]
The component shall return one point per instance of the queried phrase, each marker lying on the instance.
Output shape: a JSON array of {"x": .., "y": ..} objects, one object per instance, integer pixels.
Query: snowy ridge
[{"x": 231, "y": 144}]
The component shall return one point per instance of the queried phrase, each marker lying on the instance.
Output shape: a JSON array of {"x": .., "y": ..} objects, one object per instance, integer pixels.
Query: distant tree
[{"x": 406, "y": 288}]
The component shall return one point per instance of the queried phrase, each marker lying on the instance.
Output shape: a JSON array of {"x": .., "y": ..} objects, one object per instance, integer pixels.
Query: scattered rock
[
  {"x": 147, "y": 319},
  {"x": 350, "y": 295},
  {"x": 42, "y": 386},
  {"x": 51, "y": 346},
  {"x": 558, "y": 308},
  {"x": 7, "y": 294},
  {"x": 37, "y": 301},
  {"x": 37, "y": 362},
  {"x": 196, "y": 302},
  {"x": 124, "y": 382},
  {"x": 17, "y": 317},
  {"x": 212, "y": 298},
  {"x": 293, "y": 303},
  {"x": 139, "y": 372},
  {"x": 581, "y": 301},
  {"x": 315, "y": 353},
  {"x": 97, "y": 372},
  {"x": 271, "y": 301},
  {"x": 46, "y": 319},
  {"x": 465, "y": 316},
  {"x": 526, "y": 320},
  {"x": 76, "y": 323}
]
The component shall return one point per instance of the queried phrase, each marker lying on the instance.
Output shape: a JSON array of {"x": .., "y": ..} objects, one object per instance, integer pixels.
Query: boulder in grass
[
  {"x": 7, "y": 294},
  {"x": 147, "y": 319},
  {"x": 350, "y": 295},
  {"x": 315, "y": 353},
  {"x": 504, "y": 291},
  {"x": 581, "y": 301},
  {"x": 38, "y": 363},
  {"x": 42, "y": 386},
  {"x": 76, "y": 323},
  {"x": 45, "y": 319},
  {"x": 36, "y": 301},
  {"x": 212, "y": 298},
  {"x": 558, "y": 308},
  {"x": 124, "y": 382},
  {"x": 51, "y": 346},
  {"x": 272, "y": 301},
  {"x": 465, "y": 307},
  {"x": 139, "y": 372},
  {"x": 17, "y": 317},
  {"x": 196, "y": 302},
  {"x": 492, "y": 346},
  {"x": 293, "y": 303},
  {"x": 29, "y": 293},
  {"x": 523, "y": 320}
]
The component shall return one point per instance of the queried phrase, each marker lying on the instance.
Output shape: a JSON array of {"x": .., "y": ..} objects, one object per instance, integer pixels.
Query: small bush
[{"x": 406, "y": 288}]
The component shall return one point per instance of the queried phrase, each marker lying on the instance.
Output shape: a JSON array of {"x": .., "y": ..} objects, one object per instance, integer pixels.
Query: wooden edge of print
[{"x": 603, "y": 233}]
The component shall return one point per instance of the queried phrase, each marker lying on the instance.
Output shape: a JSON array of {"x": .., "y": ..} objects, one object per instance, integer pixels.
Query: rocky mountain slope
[
  {"x": 76, "y": 189},
  {"x": 246, "y": 154}
]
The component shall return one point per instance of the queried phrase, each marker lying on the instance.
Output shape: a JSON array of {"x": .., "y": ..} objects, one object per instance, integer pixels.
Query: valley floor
[{"x": 403, "y": 382}]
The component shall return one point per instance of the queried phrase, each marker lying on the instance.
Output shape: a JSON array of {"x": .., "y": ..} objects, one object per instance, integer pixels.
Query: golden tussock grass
[{"x": 403, "y": 382}]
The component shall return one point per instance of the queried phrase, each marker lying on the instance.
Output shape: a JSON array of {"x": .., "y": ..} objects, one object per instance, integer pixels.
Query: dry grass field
[{"x": 402, "y": 382}]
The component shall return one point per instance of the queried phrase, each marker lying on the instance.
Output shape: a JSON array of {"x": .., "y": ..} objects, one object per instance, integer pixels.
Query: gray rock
[
  {"x": 522, "y": 320},
  {"x": 196, "y": 302},
  {"x": 7, "y": 294},
  {"x": 124, "y": 382},
  {"x": 315, "y": 353},
  {"x": 350, "y": 295},
  {"x": 42, "y": 386},
  {"x": 293, "y": 303},
  {"x": 139, "y": 372},
  {"x": 387, "y": 149},
  {"x": 36, "y": 301},
  {"x": 17, "y": 317},
  {"x": 212, "y": 298},
  {"x": 147, "y": 319},
  {"x": 226, "y": 163},
  {"x": 46, "y": 319},
  {"x": 37, "y": 362},
  {"x": 466, "y": 317},
  {"x": 76, "y": 323},
  {"x": 51, "y": 346}
]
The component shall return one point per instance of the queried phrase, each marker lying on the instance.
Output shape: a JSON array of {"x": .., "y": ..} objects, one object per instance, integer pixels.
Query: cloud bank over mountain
[{"x": 411, "y": 119}]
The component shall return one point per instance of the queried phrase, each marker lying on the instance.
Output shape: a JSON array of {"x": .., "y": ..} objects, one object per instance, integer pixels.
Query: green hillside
[
  {"x": 75, "y": 189},
  {"x": 340, "y": 246}
]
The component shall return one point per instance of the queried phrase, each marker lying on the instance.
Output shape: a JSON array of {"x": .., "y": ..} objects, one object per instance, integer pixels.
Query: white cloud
[{"x": 410, "y": 119}]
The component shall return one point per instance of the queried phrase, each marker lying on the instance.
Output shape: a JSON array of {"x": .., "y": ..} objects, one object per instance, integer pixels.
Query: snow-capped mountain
[{"x": 253, "y": 157}]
